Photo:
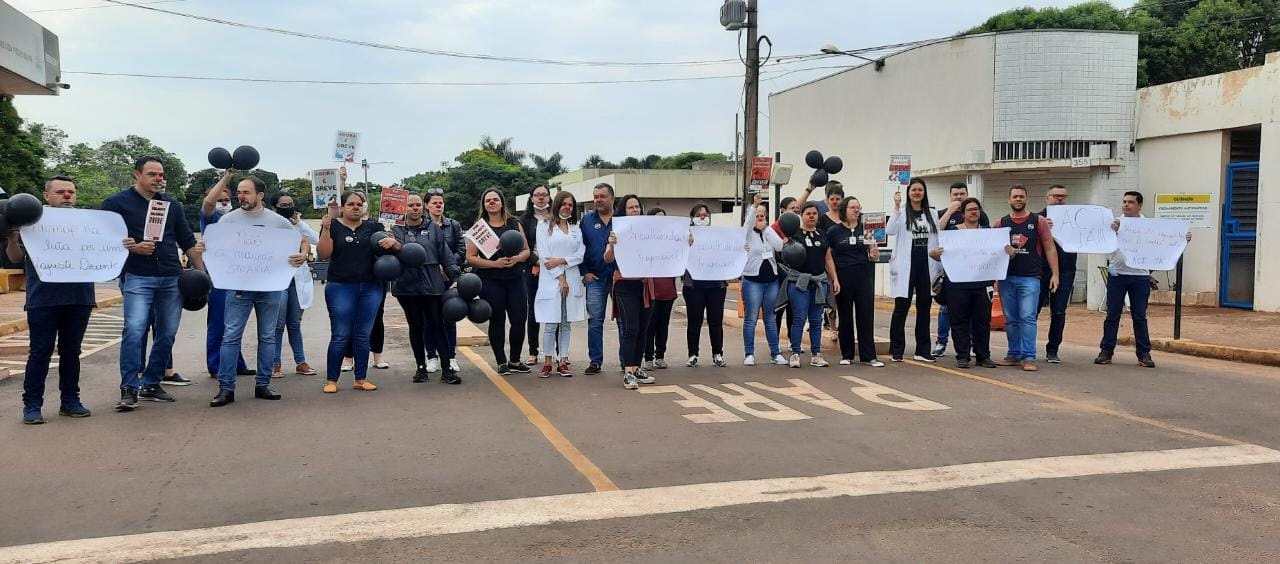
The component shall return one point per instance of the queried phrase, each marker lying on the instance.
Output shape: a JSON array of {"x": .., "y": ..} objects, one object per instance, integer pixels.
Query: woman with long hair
[
  {"x": 970, "y": 302},
  {"x": 853, "y": 258},
  {"x": 456, "y": 245},
  {"x": 420, "y": 289},
  {"x": 664, "y": 299},
  {"x": 911, "y": 271},
  {"x": 807, "y": 287},
  {"x": 351, "y": 292},
  {"x": 631, "y": 298},
  {"x": 704, "y": 299},
  {"x": 760, "y": 284},
  {"x": 536, "y": 210},
  {"x": 561, "y": 296},
  {"x": 504, "y": 286}
]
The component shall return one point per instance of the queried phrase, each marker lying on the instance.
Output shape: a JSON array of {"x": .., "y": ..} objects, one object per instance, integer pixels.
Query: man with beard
[
  {"x": 1059, "y": 299},
  {"x": 1032, "y": 240},
  {"x": 598, "y": 275},
  {"x": 217, "y": 203}
]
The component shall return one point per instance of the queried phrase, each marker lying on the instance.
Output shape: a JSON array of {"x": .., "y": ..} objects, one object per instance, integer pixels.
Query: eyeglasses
[{"x": 434, "y": 191}]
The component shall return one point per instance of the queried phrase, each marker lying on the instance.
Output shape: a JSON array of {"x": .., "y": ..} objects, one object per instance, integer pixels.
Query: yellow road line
[
  {"x": 1084, "y": 406},
  {"x": 580, "y": 462}
]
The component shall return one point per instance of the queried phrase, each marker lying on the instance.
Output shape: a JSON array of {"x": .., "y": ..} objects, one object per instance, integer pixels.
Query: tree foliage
[{"x": 22, "y": 152}]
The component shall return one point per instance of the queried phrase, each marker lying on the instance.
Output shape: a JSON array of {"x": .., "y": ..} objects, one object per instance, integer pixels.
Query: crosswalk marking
[{"x": 104, "y": 332}]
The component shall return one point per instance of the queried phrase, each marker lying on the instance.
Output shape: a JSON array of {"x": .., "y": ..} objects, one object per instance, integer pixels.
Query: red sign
[
  {"x": 394, "y": 203},
  {"x": 761, "y": 171}
]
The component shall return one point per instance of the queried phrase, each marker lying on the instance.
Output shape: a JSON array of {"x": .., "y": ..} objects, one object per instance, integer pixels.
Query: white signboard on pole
[
  {"x": 1083, "y": 229},
  {"x": 975, "y": 255},
  {"x": 1195, "y": 209},
  {"x": 70, "y": 245},
  {"x": 652, "y": 246},
  {"x": 324, "y": 188},
  {"x": 250, "y": 258},
  {"x": 344, "y": 147},
  {"x": 1152, "y": 243},
  {"x": 717, "y": 253}
]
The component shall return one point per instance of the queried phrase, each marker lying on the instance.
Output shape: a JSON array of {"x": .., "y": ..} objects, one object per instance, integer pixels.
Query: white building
[{"x": 675, "y": 191}]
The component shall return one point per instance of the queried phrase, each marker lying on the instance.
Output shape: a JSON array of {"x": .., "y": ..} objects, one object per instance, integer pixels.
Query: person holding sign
[
  {"x": 1058, "y": 299},
  {"x": 561, "y": 297},
  {"x": 1135, "y": 283},
  {"x": 806, "y": 285},
  {"x": 704, "y": 299},
  {"x": 157, "y": 227},
  {"x": 760, "y": 284},
  {"x": 631, "y": 298},
  {"x": 664, "y": 299},
  {"x": 56, "y": 313},
  {"x": 217, "y": 203},
  {"x": 1032, "y": 239},
  {"x": 948, "y": 219},
  {"x": 853, "y": 257},
  {"x": 351, "y": 294},
  {"x": 251, "y": 193},
  {"x": 457, "y": 246},
  {"x": 970, "y": 302},
  {"x": 910, "y": 269},
  {"x": 504, "y": 286},
  {"x": 419, "y": 288}
]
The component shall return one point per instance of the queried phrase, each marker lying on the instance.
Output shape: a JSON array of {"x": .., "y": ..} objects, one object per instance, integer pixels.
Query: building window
[{"x": 1045, "y": 150}]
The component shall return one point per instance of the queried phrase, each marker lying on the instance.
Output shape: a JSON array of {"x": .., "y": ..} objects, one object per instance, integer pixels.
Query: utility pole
[
  {"x": 752, "y": 110},
  {"x": 364, "y": 163}
]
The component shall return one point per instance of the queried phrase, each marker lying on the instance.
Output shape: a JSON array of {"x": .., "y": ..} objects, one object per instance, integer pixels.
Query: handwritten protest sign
[
  {"x": 157, "y": 215},
  {"x": 653, "y": 246},
  {"x": 1083, "y": 229},
  {"x": 974, "y": 255},
  {"x": 395, "y": 201},
  {"x": 324, "y": 187},
  {"x": 1151, "y": 243},
  {"x": 483, "y": 237},
  {"x": 70, "y": 245},
  {"x": 345, "y": 145},
  {"x": 717, "y": 253},
  {"x": 250, "y": 258}
]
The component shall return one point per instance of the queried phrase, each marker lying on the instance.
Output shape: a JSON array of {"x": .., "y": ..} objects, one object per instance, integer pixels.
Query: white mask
[
  {"x": 538, "y": 208},
  {"x": 222, "y": 207},
  {"x": 566, "y": 215},
  {"x": 702, "y": 221}
]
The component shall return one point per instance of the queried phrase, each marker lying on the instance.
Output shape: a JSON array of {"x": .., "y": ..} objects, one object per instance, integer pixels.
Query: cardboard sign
[
  {"x": 974, "y": 255},
  {"x": 324, "y": 188},
  {"x": 1152, "y": 243},
  {"x": 345, "y": 145},
  {"x": 70, "y": 245},
  {"x": 483, "y": 237},
  {"x": 717, "y": 253},
  {"x": 1195, "y": 209},
  {"x": 900, "y": 169},
  {"x": 157, "y": 215},
  {"x": 250, "y": 258},
  {"x": 652, "y": 246},
  {"x": 761, "y": 170},
  {"x": 395, "y": 202},
  {"x": 873, "y": 225},
  {"x": 1083, "y": 229}
]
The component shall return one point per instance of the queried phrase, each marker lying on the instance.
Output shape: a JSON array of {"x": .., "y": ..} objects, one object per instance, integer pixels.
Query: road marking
[
  {"x": 580, "y": 462},
  {"x": 1084, "y": 406},
  {"x": 91, "y": 341},
  {"x": 435, "y": 520}
]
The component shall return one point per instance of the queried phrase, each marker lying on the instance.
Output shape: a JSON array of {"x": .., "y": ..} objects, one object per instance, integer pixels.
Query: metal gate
[{"x": 1239, "y": 235}]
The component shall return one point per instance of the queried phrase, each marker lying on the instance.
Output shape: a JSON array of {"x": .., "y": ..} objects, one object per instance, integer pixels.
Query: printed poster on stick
[
  {"x": 394, "y": 204},
  {"x": 761, "y": 171},
  {"x": 157, "y": 215},
  {"x": 324, "y": 187},
  {"x": 345, "y": 145},
  {"x": 900, "y": 168}
]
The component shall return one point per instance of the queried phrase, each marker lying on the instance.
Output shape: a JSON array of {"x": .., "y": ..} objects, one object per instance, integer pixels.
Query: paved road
[{"x": 909, "y": 462}]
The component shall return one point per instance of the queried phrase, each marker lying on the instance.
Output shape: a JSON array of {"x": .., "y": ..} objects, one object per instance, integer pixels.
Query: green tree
[
  {"x": 22, "y": 152},
  {"x": 596, "y": 161},
  {"x": 550, "y": 166},
  {"x": 503, "y": 150},
  {"x": 685, "y": 160}
]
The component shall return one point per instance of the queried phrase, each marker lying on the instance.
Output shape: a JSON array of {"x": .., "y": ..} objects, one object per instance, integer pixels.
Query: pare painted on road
[{"x": 740, "y": 399}]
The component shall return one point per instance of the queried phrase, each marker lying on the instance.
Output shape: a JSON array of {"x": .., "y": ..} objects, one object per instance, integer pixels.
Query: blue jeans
[
  {"x": 1139, "y": 290},
  {"x": 944, "y": 325},
  {"x": 215, "y": 325},
  {"x": 266, "y": 306},
  {"x": 143, "y": 297},
  {"x": 352, "y": 309},
  {"x": 756, "y": 295},
  {"x": 597, "y": 300},
  {"x": 1019, "y": 296},
  {"x": 806, "y": 308},
  {"x": 291, "y": 319}
]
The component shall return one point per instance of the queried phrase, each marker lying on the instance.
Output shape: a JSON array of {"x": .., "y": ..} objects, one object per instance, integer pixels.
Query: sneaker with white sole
[
  {"x": 718, "y": 360},
  {"x": 924, "y": 358},
  {"x": 693, "y": 361},
  {"x": 644, "y": 377},
  {"x": 939, "y": 349},
  {"x": 795, "y": 361},
  {"x": 845, "y": 362},
  {"x": 659, "y": 363},
  {"x": 453, "y": 364},
  {"x": 629, "y": 381},
  {"x": 646, "y": 365},
  {"x": 779, "y": 360},
  {"x": 433, "y": 365},
  {"x": 750, "y": 360},
  {"x": 874, "y": 363},
  {"x": 818, "y": 361}
]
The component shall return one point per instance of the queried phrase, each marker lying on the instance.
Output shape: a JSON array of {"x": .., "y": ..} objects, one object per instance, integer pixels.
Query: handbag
[{"x": 939, "y": 289}]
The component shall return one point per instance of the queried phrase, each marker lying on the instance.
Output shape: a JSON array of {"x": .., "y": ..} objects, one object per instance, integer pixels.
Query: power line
[{"x": 99, "y": 6}]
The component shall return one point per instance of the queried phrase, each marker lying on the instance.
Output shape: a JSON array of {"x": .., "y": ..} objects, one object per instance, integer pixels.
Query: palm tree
[
  {"x": 550, "y": 166},
  {"x": 503, "y": 149}
]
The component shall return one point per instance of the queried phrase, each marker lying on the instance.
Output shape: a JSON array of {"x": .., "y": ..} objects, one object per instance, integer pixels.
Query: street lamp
[{"x": 832, "y": 50}]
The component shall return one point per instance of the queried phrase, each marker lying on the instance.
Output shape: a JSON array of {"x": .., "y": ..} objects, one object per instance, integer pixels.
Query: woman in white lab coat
[
  {"x": 911, "y": 270},
  {"x": 561, "y": 298}
]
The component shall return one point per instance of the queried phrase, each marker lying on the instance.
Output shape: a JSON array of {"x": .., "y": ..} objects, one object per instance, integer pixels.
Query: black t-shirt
[
  {"x": 825, "y": 223},
  {"x": 1066, "y": 261},
  {"x": 502, "y": 273},
  {"x": 848, "y": 248},
  {"x": 815, "y": 248},
  {"x": 352, "y": 258}
]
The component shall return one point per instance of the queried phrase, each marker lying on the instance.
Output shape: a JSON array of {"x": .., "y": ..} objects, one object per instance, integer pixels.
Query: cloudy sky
[{"x": 419, "y": 126}]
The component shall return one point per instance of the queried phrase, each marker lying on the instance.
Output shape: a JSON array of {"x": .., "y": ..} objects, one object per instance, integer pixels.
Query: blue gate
[{"x": 1239, "y": 235}]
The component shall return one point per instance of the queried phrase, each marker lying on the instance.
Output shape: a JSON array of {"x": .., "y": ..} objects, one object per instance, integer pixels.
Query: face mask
[
  {"x": 223, "y": 207},
  {"x": 702, "y": 221},
  {"x": 285, "y": 211},
  {"x": 538, "y": 208},
  {"x": 566, "y": 215}
]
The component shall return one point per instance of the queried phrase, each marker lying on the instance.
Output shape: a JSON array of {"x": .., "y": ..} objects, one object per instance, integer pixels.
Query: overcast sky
[{"x": 417, "y": 127}]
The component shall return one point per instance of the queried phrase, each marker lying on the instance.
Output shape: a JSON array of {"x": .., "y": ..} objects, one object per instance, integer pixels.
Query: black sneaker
[
  {"x": 76, "y": 409},
  {"x": 962, "y": 363},
  {"x": 592, "y": 369},
  {"x": 155, "y": 393},
  {"x": 986, "y": 363},
  {"x": 1052, "y": 359},
  {"x": 924, "y": 358},
  {"x": 246, "y": 372},
  {"x": 128, "y": 399},
  {"x": 1103, "y": 358},
  {"x": 520, "y": 367},
  {"x": 504, "y": 369},
  {"x": 176, "y": 379},
  {"x": 421, "y": 375},
  {"x": 451, "y": 377},
  {"x": 1146, "y": 362}
]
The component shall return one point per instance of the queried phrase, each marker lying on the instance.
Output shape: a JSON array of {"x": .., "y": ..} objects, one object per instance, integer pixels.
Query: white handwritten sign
[
  {"x": 718, "y": 253},
  {"x": 652, "y": 246},
  {"x": 250, "y": 258},
  {"x": 974, "y": 255},
  {"x": 1151, "y": 243},
  {"x": 324, "y": 187},
  {"x": 70, "y": 245},
  {"x": 345, "y": 145},
  {"x": 1083, "y": 229},
  {"x": 483, "y": 237}
]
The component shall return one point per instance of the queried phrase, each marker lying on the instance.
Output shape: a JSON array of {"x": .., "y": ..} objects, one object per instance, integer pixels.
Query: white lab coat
[
  {"x": 900, "y": 262},
  {"x": 546, "y": 302}
]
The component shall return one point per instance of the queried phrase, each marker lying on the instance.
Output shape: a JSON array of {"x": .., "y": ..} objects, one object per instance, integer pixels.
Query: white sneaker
[
  {"x": 845, "y": 362},
  {"x": 646, "y": 365},
  {"x": 629, "y": 381},
  {"x": 817, "y": 360},
  {"x": 659, "y": 363},
  {"x": 780, "y": 360},
  {"x": 693, "y": 361},
  {"x": 453, "y": 364},
  {"x": 718, "y": 360},
  {"x": 433, "y": 364},
  {"x": 750, "y": 361},
  {"x": 795, "y": 361},
  {"x": 874, "y": 363}
]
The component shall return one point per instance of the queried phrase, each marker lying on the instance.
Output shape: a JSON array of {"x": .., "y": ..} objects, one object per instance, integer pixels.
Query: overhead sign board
[{"x": 28, "y": 55}]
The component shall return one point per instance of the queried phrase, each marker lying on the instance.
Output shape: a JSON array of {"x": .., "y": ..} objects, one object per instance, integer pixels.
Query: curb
[{"x": 1218, "y": 352}]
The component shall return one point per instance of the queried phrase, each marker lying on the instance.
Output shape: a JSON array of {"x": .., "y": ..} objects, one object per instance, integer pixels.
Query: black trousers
[
  {"x": 425, "y": 317},
  {"x": 655, "y": 337},
  {"x": 64, "y": 325},
  {"x": 855, "y": 306},
  {"x": 970, "y": 310},
  {"x": 531, "y": 329},
  {"x": 508, "y": 299},
  {"x": 705, "y": 303},
  {"x": 629, "y": 297},
  {"x": 379, "y": 334},
  {"x": 919, "y": 287}
]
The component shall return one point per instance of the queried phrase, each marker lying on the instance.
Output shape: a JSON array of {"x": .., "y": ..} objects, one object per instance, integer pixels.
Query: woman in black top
[
  {"x": 538, "y": 209},
  {"x": 853, "y": 261},
  {"x": 419, "y": 289},
  {"x": 704, "y": 299},
  {"x": 504, "y": 286},
  {"x": 633, "y": 302},
  {"x": 351, "y": 294},
  {"x": 807, "y": 287}
]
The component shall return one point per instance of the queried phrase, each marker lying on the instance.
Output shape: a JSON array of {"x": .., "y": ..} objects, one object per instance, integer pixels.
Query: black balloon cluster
[
  {"x": 823, "y": 169},
  {"x": 244, "y": 158},
  {"x": 464, "y": 301}
]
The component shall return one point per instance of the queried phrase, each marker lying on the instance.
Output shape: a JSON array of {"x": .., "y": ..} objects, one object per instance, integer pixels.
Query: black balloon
[
  {"x": 511, "y": 242},
  {"x": 819, "y": 178},
  {"x": 833, "y": 165},
  {"x": 469, "y": 286},
  {"x": 194, "y": 283},
  {"x": 789, "y": 222},
  {"x": 478, "y": 311},
  {"x": 377, "y": 238},
  {"x": 412, "y": 255},
  {"x": 220, "y": 158},
  {"x": 245, "y": 158},
  {"x": 455, "y": 310},
  {"x": 386, "y": 268},
  {"x": 813, "y": 159},
  {"x": 22, "y": 210},
  {"x": 194, "y": 304},
  {"x": 793, "y": 254},
  {"x": 450, "y": 294}
]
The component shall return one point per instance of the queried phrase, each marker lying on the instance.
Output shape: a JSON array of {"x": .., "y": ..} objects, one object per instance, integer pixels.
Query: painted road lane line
[{"x": 429, "y": 521}]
